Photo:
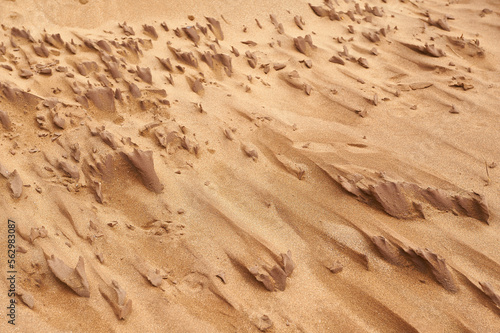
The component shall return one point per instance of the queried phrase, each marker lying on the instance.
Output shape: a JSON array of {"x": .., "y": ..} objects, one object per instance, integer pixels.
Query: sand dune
[{"x": 222, "y": 166}]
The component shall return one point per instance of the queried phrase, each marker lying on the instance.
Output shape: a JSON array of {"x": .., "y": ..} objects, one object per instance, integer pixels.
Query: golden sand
[{"x": 230, "y": 166}]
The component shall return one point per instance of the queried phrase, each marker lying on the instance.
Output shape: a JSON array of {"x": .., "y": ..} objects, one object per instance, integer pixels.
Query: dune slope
[{"x": 222, "y": 166}]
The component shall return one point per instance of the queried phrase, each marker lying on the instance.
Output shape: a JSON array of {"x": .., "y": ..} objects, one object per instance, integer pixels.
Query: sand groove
[{"x": 255, "y": 166}]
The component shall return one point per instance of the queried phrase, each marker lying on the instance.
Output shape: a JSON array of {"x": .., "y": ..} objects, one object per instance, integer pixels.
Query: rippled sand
[{"x": 222, "y": 166}]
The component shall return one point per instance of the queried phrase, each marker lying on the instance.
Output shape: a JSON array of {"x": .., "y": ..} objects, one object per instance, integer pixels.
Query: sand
[{"x": 230, "y": 166}]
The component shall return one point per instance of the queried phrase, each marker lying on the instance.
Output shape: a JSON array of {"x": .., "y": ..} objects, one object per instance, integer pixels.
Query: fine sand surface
[{"x": 231, "y": 166}]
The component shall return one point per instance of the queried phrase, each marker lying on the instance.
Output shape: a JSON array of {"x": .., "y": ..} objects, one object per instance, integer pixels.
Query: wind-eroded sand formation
[{"x": 228, "y": 166}]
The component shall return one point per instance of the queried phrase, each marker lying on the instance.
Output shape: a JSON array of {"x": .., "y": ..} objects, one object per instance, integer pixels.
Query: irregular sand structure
[{"x": 279, "y": 166}]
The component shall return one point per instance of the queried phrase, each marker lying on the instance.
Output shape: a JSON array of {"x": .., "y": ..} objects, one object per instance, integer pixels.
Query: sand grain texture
[{"x": 262, "y": 166}]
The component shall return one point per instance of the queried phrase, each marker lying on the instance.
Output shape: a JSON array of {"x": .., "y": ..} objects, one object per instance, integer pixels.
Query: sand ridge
[{"x": 230, "y": 166}]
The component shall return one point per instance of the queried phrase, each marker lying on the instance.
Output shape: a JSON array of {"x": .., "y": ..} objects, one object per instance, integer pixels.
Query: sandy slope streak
[{"x": 169, "y": 167}]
